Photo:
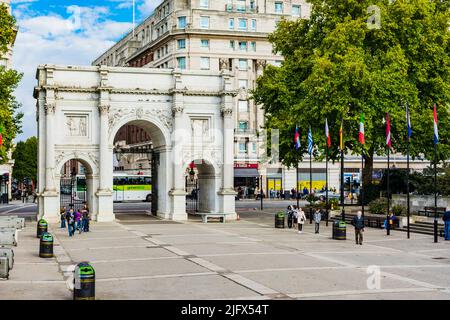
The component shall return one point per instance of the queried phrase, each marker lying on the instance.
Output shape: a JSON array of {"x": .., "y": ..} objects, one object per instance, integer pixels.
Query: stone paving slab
[
  {"x": 120, "y": 253},
  {"x": 12, "y": 290}
]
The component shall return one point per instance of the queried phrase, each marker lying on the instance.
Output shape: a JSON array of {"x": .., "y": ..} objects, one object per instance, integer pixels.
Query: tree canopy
[
  {"x": 10, "y": 119},
  {"x": 338, "y": 64},
  {"x": 25, "y": 156}
]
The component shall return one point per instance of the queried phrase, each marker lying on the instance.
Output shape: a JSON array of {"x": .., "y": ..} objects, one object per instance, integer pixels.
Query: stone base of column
[
  {"x": 105, "y": 207},
  {"x": 227, "y": 203},
  {"x": 178, "y": 205},
  {"x": 49, "y": 207}
]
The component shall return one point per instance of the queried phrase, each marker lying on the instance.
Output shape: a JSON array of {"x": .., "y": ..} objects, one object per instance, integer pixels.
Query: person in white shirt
[{"x": 301, "y": 218}]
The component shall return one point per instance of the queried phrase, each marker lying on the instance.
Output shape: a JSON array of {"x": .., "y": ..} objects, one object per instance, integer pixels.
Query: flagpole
[
  {"x": 361, "y": 190},
  {"x": 436, "y": 141},
  {"x": 134, "y": 17},
  {"x": 297, "y": 188},
  {"x": 326, "y": 185},
  {"x": 310, "y": 188},
  {"x": 408, "y": 208},
  {"x": 388, "y": 227},
  {"x": 342, "y": 185}
]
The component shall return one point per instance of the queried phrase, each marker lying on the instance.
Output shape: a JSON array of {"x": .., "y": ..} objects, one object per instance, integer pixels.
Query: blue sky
[{"x": 66, "y": 32}]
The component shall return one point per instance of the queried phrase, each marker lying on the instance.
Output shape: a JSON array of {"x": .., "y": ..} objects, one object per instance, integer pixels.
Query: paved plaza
[{"x": 141, "y": 257}]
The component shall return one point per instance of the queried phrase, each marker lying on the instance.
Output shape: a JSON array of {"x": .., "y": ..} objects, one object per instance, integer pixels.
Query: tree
[
  {"x": 25, "y": 156},
  {"x": 337, "y": 66},
  {"x": 10, "y": 119}
]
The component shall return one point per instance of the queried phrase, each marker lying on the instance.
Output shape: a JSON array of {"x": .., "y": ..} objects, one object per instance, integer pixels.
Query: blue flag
[
  {"x": 408, "y": 122},
  {"x": 310, "y": 142}
]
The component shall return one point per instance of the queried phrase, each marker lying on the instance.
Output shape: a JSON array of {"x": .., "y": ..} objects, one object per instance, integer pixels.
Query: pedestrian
[
  {"x": 70, "y": 217},
  {"x": 301, "y": 218},
  {"x": 78, "y": 221},
  {"x": 317, "y": 219},
  {"x": 358, "y": 223},
  {"x": 34, "y": 196},
  {"x": 446, "y": 219},
  {"x": 62, "y": 214},
  {"x": 290, "y": 215},
  {"x": 85, "y": 218}
]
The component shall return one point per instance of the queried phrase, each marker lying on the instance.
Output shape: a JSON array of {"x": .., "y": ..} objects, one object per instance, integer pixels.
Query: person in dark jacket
[
  {"x": 358, "y": 223},
  {"x": 446, "y": 219}
]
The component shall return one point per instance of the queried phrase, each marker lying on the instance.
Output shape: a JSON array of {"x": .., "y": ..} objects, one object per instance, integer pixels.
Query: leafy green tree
[
  {"x": 10, "y": 119},
  {"x": 25, "y": 156},
  {"x": 337, "y": 65}
]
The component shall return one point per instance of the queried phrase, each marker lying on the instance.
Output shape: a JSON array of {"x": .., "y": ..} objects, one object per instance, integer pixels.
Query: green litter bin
[
  {"x": 279, "y": 220},
  {"x": 84, "y": 282},
  {"x": 46, "y": 246},
  {"x": 339, "y": 230},
  {"x": 42, "y": 227}
]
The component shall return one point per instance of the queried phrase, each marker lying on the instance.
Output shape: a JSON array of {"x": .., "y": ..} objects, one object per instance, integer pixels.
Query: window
[
  {"x": 240, "y": 7},
  {"x": 296, "y": 10},
  {"x": 204, "y": 22},
  {"x": 243, "y": 125},
  {"x": 181, "y": 22},
  {"x": 243, "y": 45},
  {"x": 254, "y": 147},
  {"x": 243, "y": 83},
  {"x": 242, "y": 24},
  {"x": 243, "y": 64},
  {"x": 232, "y": 44},
  {"x": 231, "y": 23},
  {"x": 243, "y": 106},
  {"x": 181, "y": 62},
  {"x": 204, "y": 63},
  {"x": 253, "y": 46},
  {"x": 204, "y": 4},
  {"x": 278, "y": 7},
  {"x": 182, "y": 44},
  {"x": 242, "y": 147},
  {"x": 253, "y": 25},
  {"x": 204, "y": 43}
]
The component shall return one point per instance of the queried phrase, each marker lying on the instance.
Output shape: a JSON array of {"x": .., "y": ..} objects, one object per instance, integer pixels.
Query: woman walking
[
  {"x": 62, "y": 214},
  {"x": 301, "y": 220},
  {"x": 290, "y": 215},
  {"x": 70, "y": 217}
]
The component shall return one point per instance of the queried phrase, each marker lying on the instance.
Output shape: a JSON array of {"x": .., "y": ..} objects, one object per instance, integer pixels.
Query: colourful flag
[
  {"x": 327, "y": 133},
  {"x": 1, "y": 136},
  {"x": 341, "y": 138},
  {"x": 436, "y": 133},
  {"x": 310, "y": 141},
  {"x": 361, "y": 129},
  {"x": 408, "y": 122},
  {"x": 297, "y": 138},
  {"x": 388, "y": 131}
]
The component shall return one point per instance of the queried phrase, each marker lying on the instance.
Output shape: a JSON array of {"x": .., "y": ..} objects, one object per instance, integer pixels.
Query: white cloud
[
  {"x": 74, "y": 40},
  {"x": 147, "y": 6}
]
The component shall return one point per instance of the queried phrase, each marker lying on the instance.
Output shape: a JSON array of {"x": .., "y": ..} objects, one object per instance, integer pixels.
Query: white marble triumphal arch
[{"x": 80, "y": 110}]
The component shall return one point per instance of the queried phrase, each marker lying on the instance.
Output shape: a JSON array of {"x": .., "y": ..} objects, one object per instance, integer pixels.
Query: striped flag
[
  {"x": 408, "y": 122},
  {"x": 327, "y": 133},
  {"x": 297, "y": 138},
  {"x": 361, "y": 129},
  {"x": 1, "y": 136},
  {"x": 436, "y": 133},
  {"x": 388, "y": 131},
  {"x": 341, "y": 137},
  {"x": 310, "y": 141}
]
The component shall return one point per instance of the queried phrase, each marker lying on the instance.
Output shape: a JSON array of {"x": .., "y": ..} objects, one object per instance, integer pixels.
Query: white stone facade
[{"x": 80, "y": 110}]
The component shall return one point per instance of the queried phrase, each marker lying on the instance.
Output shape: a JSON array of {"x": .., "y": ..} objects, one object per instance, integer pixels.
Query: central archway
[{"x": 145, "y": 140}]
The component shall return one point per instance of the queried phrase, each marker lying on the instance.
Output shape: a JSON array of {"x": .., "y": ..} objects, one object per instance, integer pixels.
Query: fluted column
[
  {"x": 228, "y": 155},
  {"x": 49, "y": 147},
  {"x": 104, "y": 183}
]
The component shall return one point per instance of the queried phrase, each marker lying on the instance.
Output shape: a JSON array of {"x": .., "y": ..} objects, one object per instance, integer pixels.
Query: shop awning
[{"x": 246, "y": 173}]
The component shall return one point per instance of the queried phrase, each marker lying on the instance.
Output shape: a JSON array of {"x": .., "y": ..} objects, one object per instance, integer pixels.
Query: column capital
[
  {"x": 226, "y": 112},
  {"x": 177, "y": 110},
  {"x": 103, "y": 108},
  {"x": 49, "y": 108}
]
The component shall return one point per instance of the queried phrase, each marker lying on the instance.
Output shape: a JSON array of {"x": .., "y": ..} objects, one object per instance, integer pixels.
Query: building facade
[
  {"x": 7, "y": 168},
  {"x": 227, "y": 35}
]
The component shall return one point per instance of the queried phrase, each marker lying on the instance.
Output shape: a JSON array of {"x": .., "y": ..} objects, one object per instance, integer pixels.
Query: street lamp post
[{"x": 73, "y": 175}]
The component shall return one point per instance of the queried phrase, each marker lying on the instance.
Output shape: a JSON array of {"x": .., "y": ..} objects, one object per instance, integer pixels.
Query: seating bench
[
  {"x": 429, "y": 211},
  {"x": 205, "y": 216}
]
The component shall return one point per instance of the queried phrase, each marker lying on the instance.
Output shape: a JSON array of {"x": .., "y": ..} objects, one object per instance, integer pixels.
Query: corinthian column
[
  {"x": 228, "y": 155},
  {"x": 104, "y": 183},
  {"x": 49, "y": 147}
]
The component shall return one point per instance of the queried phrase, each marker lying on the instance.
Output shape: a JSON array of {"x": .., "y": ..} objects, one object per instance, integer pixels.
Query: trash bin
[
  {"x": 8, "y": 253},
  {"x": 4, "y": 268},
  {"x": 84, "y": 282},
  {"x": 339, "y": 230},
  {"x": 279, "y": 220},
  {"x": 41, "y": 228},
  {"x": 46, "y": 246}
]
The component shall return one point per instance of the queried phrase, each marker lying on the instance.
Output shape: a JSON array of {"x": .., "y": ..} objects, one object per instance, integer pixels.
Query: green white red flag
[{"x": 361, "y": 129}]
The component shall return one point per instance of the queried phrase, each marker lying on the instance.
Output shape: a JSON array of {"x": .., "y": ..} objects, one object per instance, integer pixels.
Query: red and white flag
[
  {"x": 388, "y": 131},
  {"x": 361, "y": 130},
  {"x": 327, "y": 133}
]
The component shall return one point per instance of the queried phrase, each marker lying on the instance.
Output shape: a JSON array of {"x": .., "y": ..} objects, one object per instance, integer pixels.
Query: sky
[{"x": 65, "y": 32}]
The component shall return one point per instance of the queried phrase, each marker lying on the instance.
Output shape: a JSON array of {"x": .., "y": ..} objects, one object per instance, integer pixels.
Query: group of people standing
[
  {"x": 76, "y": 220},
  {"x": 297, "y": 218}
]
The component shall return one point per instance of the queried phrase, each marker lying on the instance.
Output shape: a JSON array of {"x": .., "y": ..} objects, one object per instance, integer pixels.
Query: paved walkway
[{"x": 140, "y": 257}]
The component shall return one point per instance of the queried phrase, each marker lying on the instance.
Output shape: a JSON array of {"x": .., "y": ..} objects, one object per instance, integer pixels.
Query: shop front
[{"x": 246, "y": 177}]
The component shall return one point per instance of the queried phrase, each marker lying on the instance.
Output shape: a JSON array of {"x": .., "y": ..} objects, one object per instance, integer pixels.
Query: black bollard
[
  {"x": 42, "y": 227},
  {"x": 84, "y": 282},
  {"x": 46, "y": 246}
]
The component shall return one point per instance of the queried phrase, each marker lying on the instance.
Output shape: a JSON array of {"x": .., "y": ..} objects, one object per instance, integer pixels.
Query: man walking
[
  {"x": 358, "y": 223},
  {"x": 446, "y": 219},
  {"x": 317, "y": 218}
]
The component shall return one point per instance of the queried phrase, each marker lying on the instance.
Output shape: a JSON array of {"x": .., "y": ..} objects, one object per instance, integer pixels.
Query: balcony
[{"x": 241, "y": 9}]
